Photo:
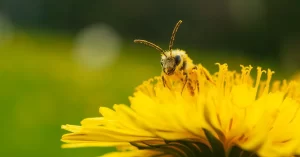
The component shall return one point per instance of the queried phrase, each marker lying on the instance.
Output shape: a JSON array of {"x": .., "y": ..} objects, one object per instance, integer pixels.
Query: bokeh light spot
[{"x": 97, "y": 46}]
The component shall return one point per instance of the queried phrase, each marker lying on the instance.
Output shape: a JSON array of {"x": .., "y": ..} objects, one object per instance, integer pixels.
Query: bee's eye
[{"x": 177, "y": 59}]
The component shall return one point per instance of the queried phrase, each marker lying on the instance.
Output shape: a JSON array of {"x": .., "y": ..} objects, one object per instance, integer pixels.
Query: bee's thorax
[{"x": 175, "y": 61}]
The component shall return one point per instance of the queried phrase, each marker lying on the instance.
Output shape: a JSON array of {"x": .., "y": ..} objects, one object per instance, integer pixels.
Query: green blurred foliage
[
  {"x": 258, "y": 28},
  {"x": 42, "y": 87}
]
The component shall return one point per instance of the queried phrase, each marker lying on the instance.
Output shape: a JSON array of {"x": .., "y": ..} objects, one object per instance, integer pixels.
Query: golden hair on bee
[{"x": 176, "y": 65}]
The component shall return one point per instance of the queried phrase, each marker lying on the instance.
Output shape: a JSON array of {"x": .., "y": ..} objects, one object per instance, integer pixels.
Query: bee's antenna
[
  {"x": 173, "y": 35},
  {"x": 150, "y": 44}
]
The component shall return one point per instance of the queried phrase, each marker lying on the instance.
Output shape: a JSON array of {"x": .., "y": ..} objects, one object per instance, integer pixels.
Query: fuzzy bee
[{"x": 177, "y": 66}]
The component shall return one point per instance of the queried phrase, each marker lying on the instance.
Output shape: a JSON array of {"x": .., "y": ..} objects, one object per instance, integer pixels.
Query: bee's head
[{"x": 170, "y": 63}]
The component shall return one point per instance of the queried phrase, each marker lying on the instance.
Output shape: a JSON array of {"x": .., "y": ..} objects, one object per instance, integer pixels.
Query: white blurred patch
[
  {"x": 6, "y": 30},
  {"x": 97, "y": 46},
  {"x": 247, "y": 12}
]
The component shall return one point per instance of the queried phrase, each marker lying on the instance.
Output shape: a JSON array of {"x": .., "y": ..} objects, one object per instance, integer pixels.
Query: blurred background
[{"x": 62, "y": 59}]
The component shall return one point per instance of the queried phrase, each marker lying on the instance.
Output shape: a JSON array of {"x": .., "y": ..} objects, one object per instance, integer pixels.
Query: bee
[{"x": 177, "y": 65}]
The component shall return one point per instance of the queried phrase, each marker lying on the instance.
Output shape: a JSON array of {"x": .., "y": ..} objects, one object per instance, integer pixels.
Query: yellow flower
[{"x": 236, "y": 115}]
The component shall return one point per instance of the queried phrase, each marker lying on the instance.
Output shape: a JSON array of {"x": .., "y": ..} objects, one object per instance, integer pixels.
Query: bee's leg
[
  {"x": 198, "y": 86},
  {"x": 164, "y": 82},
  {"x": 190, "y": 87},
  {"x": 197, "y": 79},
  {"x": 207, "y": 75},
  {"x": 185, "y": 81},
  {"x": 193, "y": 83}
]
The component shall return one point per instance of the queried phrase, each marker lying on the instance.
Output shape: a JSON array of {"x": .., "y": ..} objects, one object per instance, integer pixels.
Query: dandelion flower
[{"x": 237, "y": 116}]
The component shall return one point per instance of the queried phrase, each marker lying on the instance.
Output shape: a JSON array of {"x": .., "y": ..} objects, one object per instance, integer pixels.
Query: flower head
[{"x": 236, "y": 113}]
